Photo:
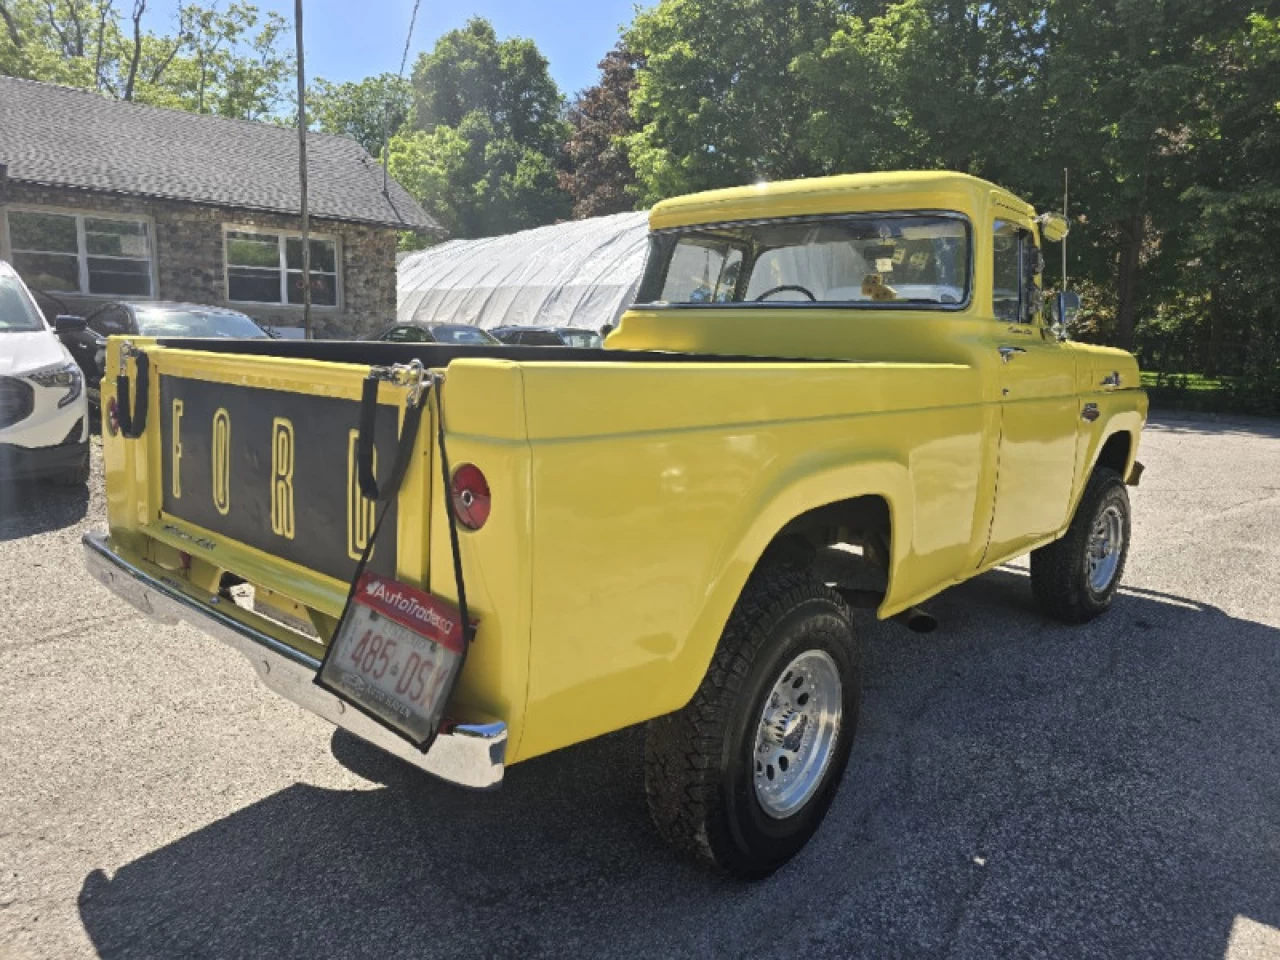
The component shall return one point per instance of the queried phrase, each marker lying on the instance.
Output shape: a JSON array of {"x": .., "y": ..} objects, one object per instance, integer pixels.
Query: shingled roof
[{"x": 61, "y": 136}]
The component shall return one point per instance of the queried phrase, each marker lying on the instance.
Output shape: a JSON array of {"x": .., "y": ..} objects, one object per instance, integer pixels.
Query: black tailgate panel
[{"x": 329, "y": 519}]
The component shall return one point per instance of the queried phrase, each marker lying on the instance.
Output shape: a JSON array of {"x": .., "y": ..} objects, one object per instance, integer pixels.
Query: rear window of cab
[{"x": 921, "y": 261}]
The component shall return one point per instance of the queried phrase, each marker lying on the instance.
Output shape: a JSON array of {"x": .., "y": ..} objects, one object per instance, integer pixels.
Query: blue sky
[{"x": 351, "y": 39}]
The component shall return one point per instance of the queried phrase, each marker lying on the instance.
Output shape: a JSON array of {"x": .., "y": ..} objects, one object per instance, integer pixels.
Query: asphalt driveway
[{"x": 1018, "y": 788}]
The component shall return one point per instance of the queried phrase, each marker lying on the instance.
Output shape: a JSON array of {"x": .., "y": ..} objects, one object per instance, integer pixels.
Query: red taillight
[
  {"x": 113, "y": 416},
  {"x": 470, "y": 492}
]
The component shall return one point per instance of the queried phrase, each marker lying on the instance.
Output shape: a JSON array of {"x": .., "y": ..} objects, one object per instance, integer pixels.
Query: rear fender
[{"x": 807, "y": 487}]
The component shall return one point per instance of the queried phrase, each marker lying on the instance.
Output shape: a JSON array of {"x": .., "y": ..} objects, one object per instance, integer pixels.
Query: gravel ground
[{"x": 1017, "y": 788}]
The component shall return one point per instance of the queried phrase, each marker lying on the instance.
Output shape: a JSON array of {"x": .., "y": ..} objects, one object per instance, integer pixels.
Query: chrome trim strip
[{"x": 468, "y": 753}]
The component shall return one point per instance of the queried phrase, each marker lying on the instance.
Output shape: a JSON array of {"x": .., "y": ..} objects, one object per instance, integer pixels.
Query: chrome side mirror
[
  {"x": 1063, "y": 310},
  {"x": 1053, "y": 227}
]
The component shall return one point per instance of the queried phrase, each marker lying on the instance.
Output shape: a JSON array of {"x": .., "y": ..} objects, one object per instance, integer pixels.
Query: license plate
[{"x": 396, "y": 656}]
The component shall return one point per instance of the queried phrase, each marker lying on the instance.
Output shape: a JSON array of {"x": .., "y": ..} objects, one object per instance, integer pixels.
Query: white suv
[{"x": 44, "y": 418}]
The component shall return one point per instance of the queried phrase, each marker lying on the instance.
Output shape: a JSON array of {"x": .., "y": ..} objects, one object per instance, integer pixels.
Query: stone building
[{"x": 102, "y": 200}]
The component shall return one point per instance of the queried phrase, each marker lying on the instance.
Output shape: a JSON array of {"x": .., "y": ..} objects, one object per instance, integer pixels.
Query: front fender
[{"x": 1120, "y": 412}]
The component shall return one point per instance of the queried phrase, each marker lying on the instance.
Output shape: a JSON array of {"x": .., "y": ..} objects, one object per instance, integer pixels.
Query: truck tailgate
[{"x": 249, "y": 465}]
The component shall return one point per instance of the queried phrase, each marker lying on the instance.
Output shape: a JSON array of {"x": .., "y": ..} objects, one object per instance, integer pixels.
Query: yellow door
[{"x": 1039, "y": 407}]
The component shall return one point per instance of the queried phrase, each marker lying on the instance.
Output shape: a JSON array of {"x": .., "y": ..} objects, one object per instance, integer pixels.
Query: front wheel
[
  {"x": 742, "y": 776},
  {"x": 76, "y": 476},
  {"x": 1075, "y": 578}
]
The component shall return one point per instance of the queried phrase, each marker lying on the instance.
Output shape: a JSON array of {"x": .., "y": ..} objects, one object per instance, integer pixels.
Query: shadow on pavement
[
  {"x": 1017, "y": 788},
  {"x": 1239, "y": 425},
  {"x": 29, "y": 507}
]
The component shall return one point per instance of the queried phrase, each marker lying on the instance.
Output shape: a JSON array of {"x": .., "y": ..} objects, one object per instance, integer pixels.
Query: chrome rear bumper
[{"x": 470, "y": 754}]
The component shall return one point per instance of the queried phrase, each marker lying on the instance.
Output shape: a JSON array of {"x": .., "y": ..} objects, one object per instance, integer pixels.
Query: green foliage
[
  {"x": 719, "y": 102},
  {"x": 365, "y": 110},
  {"x": 486, "y": 135},
  {"x": 1166, "y": 112},
  {"x": 233, "y": 62}
]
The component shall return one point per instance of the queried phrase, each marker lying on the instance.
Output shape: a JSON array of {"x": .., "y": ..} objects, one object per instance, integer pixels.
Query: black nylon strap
[
  {"x": 364, "y": 460},
  {"x": 467, "y": 630},
  {"x": 364, "y": 445},
  {"x": 133, "y": 420},
  {"x": 407, "y": 436}
]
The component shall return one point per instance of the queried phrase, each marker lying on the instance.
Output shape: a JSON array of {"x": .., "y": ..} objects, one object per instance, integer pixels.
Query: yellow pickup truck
[{"x": 860, "y": 361}]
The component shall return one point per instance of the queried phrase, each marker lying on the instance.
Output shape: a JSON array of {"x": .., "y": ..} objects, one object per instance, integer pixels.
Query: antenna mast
[{"x": 1066, "y": 174}]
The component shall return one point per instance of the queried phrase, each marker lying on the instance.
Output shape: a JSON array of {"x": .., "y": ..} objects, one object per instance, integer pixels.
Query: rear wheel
[
  {"x": 1076, "y": 577},
  {"x": 742, "y": 776}
]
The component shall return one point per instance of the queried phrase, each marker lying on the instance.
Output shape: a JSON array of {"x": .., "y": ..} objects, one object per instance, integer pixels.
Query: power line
[{"x": 386, "y": 109}]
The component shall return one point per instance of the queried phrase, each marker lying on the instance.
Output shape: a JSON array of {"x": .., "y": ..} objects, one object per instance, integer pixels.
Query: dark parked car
[
  {"x": 547, "y": 336},
  {"x": 455, "y": 333},
  {"x": 147, "y": 318}
]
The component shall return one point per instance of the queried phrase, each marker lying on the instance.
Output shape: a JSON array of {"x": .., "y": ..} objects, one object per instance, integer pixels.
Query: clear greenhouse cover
[{"x": 583, "y": 274}]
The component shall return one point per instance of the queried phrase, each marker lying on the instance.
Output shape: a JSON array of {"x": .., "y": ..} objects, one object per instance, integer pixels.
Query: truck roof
[{"x": 848, "y": 193}]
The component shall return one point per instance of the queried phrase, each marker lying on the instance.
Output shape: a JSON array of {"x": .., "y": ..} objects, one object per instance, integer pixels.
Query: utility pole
[{"x": 302, "y": 171}]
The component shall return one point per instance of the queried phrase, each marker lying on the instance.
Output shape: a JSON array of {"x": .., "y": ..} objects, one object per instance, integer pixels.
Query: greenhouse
[{"x": 582, "y": 273}]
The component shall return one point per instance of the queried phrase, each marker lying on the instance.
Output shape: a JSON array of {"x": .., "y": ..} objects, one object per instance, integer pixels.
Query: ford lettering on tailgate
[{"x": 275, "y": 470}]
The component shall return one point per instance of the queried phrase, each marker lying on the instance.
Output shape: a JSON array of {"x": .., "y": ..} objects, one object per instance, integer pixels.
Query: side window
[
  {"x": 403, "y": 335},
  {"x": 702, "y": 272},
  {"x": 1006, "y": 286},
  {"x": 1016, "y": 263},
  {"x": 111, "y": 321}
]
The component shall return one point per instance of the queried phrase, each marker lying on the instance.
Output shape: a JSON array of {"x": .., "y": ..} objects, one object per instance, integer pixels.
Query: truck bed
[{"x": 633, "y": 491}]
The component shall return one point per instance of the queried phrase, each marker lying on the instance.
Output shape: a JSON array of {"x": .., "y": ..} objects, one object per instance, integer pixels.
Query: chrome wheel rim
[
  {"x": 797, "y": 733},
  {"x": 1106, "y": 545}
]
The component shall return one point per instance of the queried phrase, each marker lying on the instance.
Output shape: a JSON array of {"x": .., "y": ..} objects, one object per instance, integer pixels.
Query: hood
[{"x": 21, "y": 353}]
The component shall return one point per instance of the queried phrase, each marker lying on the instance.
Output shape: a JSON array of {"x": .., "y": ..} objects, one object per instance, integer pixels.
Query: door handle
[{"x": 1007, "y": 353}]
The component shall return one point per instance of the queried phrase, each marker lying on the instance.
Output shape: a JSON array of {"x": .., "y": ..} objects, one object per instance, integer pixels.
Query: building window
[
  {"x": 81, "y": 254},
  {"x": 267, "y": 268}
]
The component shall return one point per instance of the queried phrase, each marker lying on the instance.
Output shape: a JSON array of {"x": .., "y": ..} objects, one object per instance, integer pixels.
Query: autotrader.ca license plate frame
[{"x": 396, "y": 656}]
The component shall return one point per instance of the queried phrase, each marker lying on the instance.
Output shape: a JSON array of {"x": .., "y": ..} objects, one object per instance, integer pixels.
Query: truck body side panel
[{"x": 656, "y": 489}]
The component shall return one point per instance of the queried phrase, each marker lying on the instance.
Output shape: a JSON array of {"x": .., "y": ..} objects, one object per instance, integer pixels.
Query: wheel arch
[
  {"x": 1116, "y": 453},
  {"x": 786, "y": 520},
  {"x": 1114, "y": 445}
]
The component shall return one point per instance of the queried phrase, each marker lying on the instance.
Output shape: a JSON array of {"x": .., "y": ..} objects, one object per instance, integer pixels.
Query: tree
[
  {"x": 476, "y": 182},
  {"x": 598, "y": 175},
  {"x": 367, "y": 110},
  {"x": 229, "y": 62},
  {"x": 1236, "y": 228},
  {"x": 718, "y": 101},
  {"x": 1164, "y": 111},
  {"x": 486, "y": 134}
]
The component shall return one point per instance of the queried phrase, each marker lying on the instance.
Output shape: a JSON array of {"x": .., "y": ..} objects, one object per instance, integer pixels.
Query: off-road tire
[
  {"x": 1060, "y": 570},
  {"x": 699, "y": 761}
]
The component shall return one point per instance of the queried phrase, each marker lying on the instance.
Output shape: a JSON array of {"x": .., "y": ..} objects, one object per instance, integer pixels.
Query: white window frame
[
  {"x": 282, "y": 234},
  {"x": 82, "y": 252}
]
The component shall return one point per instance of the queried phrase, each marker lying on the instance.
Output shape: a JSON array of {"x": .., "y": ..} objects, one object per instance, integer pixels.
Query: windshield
[
  {"x": 17, "y": 313},
  {"x": 195, "y": 323},
  {"x": 459, "y": 333},
  {"x": 852, "y": 260}
]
